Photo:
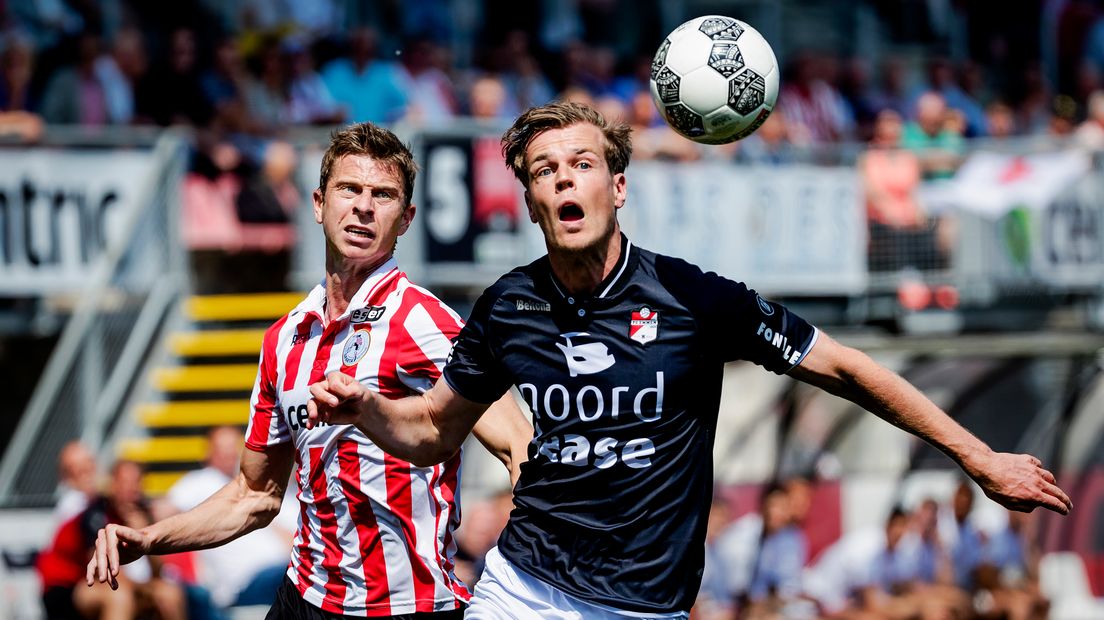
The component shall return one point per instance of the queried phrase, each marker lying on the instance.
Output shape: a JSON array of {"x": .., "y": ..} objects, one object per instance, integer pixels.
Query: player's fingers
[
  {"x": 101, "y": 556},
  {"x": 90, "y": 570},
  {"x": 1049, "y": 477},
  {"x": 112, "y": 550},
  {"x": 322, "y": 392},
  {"x": 1052, "y": 490}
]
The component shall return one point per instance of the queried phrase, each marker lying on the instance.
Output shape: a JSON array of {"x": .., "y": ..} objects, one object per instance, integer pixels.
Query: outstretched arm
[
  {"x": 424, "y": 429},
  {"x": 1016, "y": 481},
  {"x": 246, "y": 503},
  {"x": 505, "y": 432}
]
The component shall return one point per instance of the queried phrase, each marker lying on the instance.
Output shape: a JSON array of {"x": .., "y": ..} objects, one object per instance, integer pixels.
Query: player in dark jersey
[{"x": 619, "y": 353}]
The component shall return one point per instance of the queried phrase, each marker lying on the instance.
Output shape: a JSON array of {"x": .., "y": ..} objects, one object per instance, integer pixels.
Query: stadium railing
[{"x": 117, "y": 306}]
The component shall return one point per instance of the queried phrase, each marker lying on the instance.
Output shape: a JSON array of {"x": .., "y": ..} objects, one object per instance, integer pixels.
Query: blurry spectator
[
  {"x": 577, "y": 94},
  {"x": 75, "y": 95},
  {"x": 770, "y": 144},
  {"x": 1090, "y": 133},
  {"x": 1035, "y": 101},
  {"x": 270, "y": 195},
  {"x": 637, "y": 80},
  {"x": 247, "y": 570},
  {"x": 17, "y": 66},
  {"x": 309, "y": 99},
  {"x": 224, "y": 86},
  {"x": 938, "y": 145},
  {"x": 941, "y": 80},
  {"x": 962, "y": 537},
  {"x": 1063, "y": 116},
  {"x": 612, "y": 108},
  {"x": 715, "y": 600},
  {"x": 170, "y": 93},
  {"x": 266, "y": 90},
  {"x": 855, "y": 87},
  {"x": 652, "y": 138},
  {"x": 119, "y": 73},
  {"x": 487, "y": 99},
  {"x": 891, "y": 90},
  {"x": 521, "y": 75},
  {"x": 588, "y": 68},
  {"x": 1000, "y": 121},
  {"x": 484, "y": 519},
  {"x": 1007, "y": 576},
  {"x": 370, "y": 88},
  {"x": 76, "y": 480},
  {"x": 776, "y": 576},
  {"x": 431, "y": 92},
  {"x": 61, "y": 567},
  {"x": 814, "y": 108}
]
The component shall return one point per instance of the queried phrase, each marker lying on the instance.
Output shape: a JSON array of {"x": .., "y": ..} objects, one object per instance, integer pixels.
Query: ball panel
[
  {"x": 719, "y": 28},
  {"x": 755, "y": 124},
  {"x": 703, "y": 90},
  {"x": 689, "y": 52},
  {"x": 725, "y": 58},
  {"x": 756, "y": 51},
  {"x": 667, "y": 86},
  {"x": 746, "y": 92},
  {"x": 660, "y": 58},
  {"x": 771, "y": 94},
  {"x": 684, "y": 120}
]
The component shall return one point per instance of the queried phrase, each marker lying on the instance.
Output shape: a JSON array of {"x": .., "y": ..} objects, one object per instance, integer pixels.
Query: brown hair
[
  {"x": 558, "y": 115},
  {"x": 375, "y": 142}
]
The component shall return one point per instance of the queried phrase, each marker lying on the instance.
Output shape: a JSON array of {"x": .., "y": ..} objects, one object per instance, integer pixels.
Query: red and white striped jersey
[{"x": 375, "y": 534}]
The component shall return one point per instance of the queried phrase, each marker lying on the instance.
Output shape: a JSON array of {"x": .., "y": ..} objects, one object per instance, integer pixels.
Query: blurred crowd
[{"x": 930, "y": 561}]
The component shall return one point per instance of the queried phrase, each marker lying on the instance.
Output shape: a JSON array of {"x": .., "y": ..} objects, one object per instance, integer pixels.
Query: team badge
[
  {"x": 644, "y": 325},
  {"x": 367, "y": 315},
  {"x": 356, "y": 347},
  {"x": 764, "y": 307}
]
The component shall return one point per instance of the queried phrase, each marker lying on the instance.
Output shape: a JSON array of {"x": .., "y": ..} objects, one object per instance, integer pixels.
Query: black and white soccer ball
[{"x": 715, "y": 79}]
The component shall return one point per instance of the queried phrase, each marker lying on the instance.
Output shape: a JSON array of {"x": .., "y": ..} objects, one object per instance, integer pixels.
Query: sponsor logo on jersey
[
  {"x": 766, "y": 308},
  {"x": 584, "y": 358},
  {"x": 644, "y": 325},
  {"x": 781, "y": 342},
  {"x": 533, "y": 306},
  {"x": 299, "y": 338},
  {"x": 367, "y": 315},
  {"x": 356, "y": 347}
]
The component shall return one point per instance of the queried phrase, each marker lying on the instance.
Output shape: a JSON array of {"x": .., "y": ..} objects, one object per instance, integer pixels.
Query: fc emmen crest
[{"x": 644, "y": 325}]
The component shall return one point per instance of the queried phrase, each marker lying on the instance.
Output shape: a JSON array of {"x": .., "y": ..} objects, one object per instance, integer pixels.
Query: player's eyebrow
[{"x": 578, "y": 151}]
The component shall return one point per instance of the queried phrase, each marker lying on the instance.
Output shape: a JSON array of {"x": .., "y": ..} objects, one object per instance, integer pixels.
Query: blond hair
[
  {"x": 375, "y": 142},
  {"x": 558, "y": 115}
]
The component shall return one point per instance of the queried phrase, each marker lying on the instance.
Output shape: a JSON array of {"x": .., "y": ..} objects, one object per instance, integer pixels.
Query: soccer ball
[{"x": 715, "y": 79}]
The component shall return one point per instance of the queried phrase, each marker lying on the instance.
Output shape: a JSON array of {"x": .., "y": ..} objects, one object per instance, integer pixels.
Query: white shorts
[{"x": 505, "y": 593}]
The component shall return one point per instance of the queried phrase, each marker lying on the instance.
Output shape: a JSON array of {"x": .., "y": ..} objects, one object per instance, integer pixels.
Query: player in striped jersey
[{"x": 375, "y": 535}]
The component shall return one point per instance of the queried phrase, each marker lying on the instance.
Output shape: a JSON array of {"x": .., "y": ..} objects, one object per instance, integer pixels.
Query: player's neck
[
  {"x": 581, "y": 271},
  {"x": 343, "y": 280}
]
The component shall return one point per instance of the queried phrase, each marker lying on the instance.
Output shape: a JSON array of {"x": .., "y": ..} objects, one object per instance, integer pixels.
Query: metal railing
[{"x": 102, "y": 350}]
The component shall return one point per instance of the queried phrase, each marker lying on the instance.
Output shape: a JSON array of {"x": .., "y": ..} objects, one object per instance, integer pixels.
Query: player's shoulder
[
  {"x": 687, "y": 282},
  {"x": 520, "y": 279}
]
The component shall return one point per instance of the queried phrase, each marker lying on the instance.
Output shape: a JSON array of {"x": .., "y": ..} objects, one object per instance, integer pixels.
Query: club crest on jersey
[
  {"x": 356, "y": 347},
  {"x": 367, "y": 315},
  {"x": 644, "y": 325}
]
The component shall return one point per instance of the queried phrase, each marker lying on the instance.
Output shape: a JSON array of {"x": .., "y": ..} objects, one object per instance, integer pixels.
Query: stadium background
[{"x": 158, "y": 163}]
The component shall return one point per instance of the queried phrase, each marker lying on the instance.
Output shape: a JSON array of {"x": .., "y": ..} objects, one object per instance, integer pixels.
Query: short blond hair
[{"x": 558, "y": 115}]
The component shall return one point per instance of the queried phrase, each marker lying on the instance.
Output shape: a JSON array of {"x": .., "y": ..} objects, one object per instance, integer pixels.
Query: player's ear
[
  {"x": 529, "y": 206},
  {"x": 406, "y": 217},
  {"x": 317, "y": 198},
  {"x": 620, "y": 190}
]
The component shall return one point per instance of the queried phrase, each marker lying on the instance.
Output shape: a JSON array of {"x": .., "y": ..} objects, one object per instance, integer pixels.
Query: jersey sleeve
[
  {"x": 266, "y": 426},
  {"x": 430, "y": 327},
  {"x": 473, "y": 371},
  {"x": 734, "y": 322}
]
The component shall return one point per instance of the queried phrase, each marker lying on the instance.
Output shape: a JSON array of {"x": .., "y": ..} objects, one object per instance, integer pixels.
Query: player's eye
[
  {"x": 383, "y": 194},
  {"x": 585, "y": 165},
  {"x": 543, "y": 172}
]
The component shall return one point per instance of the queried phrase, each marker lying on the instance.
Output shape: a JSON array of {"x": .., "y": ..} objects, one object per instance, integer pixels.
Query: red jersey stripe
[
  {"x": 334, "y": 600},
  {"x": 260, "y": 420},
  {"x": 295, "y": 355},
  {"x": 399, "y": 500},
  {"x": 448, "y": 482},
  {"x": 374, "y": 564}
]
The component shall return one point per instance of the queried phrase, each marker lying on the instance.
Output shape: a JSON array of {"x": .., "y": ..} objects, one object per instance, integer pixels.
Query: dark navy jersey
[{"x": 624, "y": 387}]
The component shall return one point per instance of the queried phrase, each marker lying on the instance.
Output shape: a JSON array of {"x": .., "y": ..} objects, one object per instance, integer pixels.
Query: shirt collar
[
  {"x": 368, "y": 292},
  {"x": 614, "y": 282}
]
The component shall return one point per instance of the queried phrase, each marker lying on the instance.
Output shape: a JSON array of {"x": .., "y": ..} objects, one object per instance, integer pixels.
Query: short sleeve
[
  {"x": 266, "y": 426},
  {"x": 734, "y": 322},
  {"x": 473, "y": 371}
]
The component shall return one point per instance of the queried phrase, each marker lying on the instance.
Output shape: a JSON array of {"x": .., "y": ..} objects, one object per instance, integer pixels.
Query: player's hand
[
  {"x": 116, "y": 545},
  {"x": 337, "y": 399},
  {"x": 1019, "y": 482}
]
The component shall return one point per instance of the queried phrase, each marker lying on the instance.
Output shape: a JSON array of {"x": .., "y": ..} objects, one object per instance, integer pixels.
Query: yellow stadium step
[
  {"x": 157, "y": 483},
  {"x": 217, "y": 342},
  {"x": 164, "y": 449},
  {"x": 194, "y": 413},
  {"x": 246, "y": 307},
  {"x": 206, "y": 378}
]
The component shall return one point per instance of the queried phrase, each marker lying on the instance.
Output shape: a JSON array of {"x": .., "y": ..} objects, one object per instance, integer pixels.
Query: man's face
[
  {"x": 361, "y": 210},
  {"x": 572, "y": 194}
]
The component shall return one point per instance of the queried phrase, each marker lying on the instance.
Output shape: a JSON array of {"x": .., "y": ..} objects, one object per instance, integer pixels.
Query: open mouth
[
  {"x": 570, "y": 212},
  {"x": 362, "y": 233}
]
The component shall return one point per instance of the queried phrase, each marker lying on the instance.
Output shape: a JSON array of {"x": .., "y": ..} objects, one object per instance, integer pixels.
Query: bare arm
[
  {"x": 1016, "y": 481},
  {"x": 246, "y": 503},
  {"x": 505, "y": 432},
  {"x": 424, "y": 429}
]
